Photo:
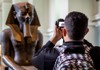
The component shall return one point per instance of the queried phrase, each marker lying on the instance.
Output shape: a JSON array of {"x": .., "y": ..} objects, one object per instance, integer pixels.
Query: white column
[
  {"x": 97, "y": 16},
  {"x": 42, "y": 8},
  {"x": 52, "y": 14},
  {"x": 0, "y": 15},
  {"x": 58, "y": 9},
  {"x": 97, "y": 23},
  {"x": 98, "y": 6},
  {"x": 6, "y": 5}
]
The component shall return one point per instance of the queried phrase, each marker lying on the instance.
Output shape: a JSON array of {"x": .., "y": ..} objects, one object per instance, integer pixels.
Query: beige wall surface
[
  {"x": 89, "y": 7},
  {"x": 42, "y": 8},
  {"x": 0, "y": 16}
]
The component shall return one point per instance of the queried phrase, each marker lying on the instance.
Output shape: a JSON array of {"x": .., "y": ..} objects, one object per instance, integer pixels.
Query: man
[
  {"x": 23, "y": 39},
  {"x": 73, "y": 32},
  {"x": 45, "y": 58},
  {"x": 73, "y": 53}
]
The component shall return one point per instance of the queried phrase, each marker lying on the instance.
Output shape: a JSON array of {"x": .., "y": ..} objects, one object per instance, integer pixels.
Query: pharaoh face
[
  {"x": 24, "y": 13},
  {"x": 23, "y": 19}
]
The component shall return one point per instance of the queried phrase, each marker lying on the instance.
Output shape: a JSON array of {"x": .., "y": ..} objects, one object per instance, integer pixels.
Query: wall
[
  {"x": 42, "y": 7},
  {"x": 0, "y": 26},
  {"x": 90, "y": 9}
]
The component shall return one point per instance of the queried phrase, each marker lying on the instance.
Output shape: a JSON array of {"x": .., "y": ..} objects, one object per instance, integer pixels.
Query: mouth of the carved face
[
  {"x": 27, "y": 20},
  {"x": 26, "y": 30}
]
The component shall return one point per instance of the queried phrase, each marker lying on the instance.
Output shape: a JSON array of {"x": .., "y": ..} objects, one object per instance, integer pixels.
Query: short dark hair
[{"x": 76, "y": 24}]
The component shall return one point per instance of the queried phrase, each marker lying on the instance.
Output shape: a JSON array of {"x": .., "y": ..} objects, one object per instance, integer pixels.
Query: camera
[{"x": 60, "y": 23}]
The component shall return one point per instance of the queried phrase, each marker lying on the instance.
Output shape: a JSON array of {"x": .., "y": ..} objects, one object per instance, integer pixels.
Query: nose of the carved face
[{"x": 27, "y": 18}]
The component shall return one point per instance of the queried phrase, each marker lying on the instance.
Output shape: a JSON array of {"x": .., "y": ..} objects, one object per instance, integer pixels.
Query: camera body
[{"x": 60, "y": 23}]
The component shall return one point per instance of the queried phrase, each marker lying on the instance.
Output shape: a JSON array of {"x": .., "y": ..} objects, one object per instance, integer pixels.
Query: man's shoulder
[{"x": 60, "y": 48}]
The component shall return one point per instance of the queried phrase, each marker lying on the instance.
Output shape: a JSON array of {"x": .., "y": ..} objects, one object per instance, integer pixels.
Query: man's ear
[
  {"x": 87, "y": 30},
  {"x": 64, "y": 31}
]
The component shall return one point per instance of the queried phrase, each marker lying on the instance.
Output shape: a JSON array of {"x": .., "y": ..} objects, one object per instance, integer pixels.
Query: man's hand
[{"x": 57, "y": 35}]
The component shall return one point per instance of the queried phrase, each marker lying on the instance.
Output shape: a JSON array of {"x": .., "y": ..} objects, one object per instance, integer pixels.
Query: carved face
[
  {"x": 23, "y": 20},
  {"x": 24, "y": 14}
]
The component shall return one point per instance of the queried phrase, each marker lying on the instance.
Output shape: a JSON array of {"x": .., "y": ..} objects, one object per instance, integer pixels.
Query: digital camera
[{"x": 60, "y": 23}]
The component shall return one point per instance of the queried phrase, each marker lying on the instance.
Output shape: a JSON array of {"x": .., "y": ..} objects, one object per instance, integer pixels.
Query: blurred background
[{"x": 50, "y": 10}]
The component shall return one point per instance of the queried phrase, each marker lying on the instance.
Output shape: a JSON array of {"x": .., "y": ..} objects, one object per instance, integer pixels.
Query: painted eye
[
  {"x": 23, "y": 13},
  {"x": 30, "y": 13}
]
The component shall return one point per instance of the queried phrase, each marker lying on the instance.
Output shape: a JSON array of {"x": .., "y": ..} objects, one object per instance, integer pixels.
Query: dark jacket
[
  {"x": 95, "y": 55},
  {"x": 46, "y": 56}
]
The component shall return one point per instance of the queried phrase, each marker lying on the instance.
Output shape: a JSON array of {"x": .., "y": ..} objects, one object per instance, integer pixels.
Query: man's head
[{"x": 76, "y": 25}]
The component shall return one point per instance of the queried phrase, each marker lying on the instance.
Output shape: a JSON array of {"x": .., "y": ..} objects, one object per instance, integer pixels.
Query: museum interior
[{"x": 49, "y": 11}]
